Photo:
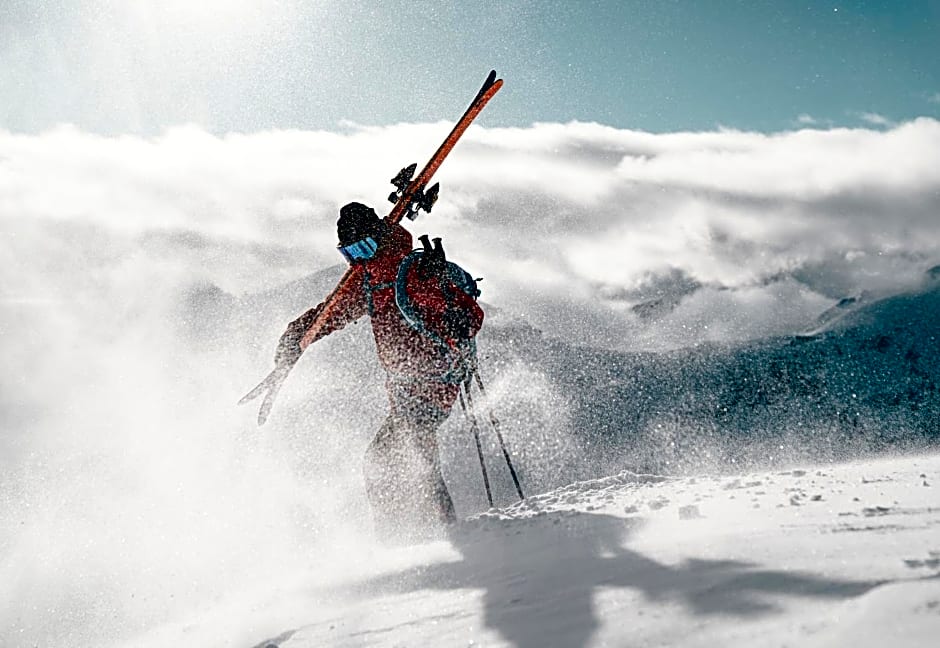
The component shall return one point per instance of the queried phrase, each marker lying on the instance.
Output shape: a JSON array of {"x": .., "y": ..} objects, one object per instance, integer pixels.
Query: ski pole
[
  {"x": 475, "y": 428},
  {"x": 502, "y": 444}
]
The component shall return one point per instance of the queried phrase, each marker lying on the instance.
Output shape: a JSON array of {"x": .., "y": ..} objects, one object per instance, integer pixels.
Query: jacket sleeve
[{"x": 348, "y": 305}]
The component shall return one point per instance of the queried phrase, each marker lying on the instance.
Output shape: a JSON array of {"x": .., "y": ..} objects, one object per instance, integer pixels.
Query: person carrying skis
[{"x": 423, "y": 323}]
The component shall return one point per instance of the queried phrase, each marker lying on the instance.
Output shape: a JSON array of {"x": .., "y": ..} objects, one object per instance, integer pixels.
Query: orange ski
[{"x": 414, "y": 191}]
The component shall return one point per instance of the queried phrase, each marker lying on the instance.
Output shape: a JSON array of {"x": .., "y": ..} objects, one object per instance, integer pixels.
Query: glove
[{"x": 288, "y": 347}]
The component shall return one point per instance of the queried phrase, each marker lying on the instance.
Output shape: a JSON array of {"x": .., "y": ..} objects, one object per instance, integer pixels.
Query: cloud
[
  {"x": 554, "y": 213},
  {"x": 624, "y": 238},
  {"x": 876, "y": 120},
  {"x": 934, "y": 98},
  {"x": 805, "y": 120}
]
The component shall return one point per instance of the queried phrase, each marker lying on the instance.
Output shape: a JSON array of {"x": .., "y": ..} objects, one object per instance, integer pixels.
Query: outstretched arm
[{"x": 347, "y": 306}]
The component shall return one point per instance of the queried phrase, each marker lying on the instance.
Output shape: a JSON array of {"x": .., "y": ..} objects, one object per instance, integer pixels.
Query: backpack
[{"x": 441, "y": 307}]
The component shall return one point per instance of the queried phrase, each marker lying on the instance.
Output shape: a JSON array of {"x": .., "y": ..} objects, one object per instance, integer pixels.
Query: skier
[{"x": 425, "y": 352}]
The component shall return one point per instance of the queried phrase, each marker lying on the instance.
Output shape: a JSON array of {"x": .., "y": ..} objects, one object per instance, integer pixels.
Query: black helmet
[{"x": 357, "y": 222}]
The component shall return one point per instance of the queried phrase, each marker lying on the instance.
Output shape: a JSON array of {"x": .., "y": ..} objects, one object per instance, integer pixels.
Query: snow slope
[{"x": 832, "y": 555}]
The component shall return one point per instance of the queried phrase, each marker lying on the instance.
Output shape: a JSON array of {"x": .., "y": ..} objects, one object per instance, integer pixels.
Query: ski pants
[{"x": 402, "y": 464}]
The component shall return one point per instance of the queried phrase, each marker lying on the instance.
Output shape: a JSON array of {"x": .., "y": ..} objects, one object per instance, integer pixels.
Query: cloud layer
[{"x": 581, "y": 219}]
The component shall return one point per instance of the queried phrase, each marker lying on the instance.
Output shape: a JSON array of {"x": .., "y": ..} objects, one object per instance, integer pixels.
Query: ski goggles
[{"x": 359, "y": 251}]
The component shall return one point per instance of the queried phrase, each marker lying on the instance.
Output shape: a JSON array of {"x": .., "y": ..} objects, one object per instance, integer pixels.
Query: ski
[
  {"x": 270, "y": 386},
  {"x": 410, "y": 195}
]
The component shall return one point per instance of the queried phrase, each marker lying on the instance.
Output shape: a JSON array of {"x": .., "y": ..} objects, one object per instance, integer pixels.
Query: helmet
[
  {"x": 358, "y": 229},
  {"x": 356, "y": 222}
]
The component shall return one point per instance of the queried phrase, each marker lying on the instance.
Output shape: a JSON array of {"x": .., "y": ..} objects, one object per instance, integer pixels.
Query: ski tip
[
  {"x": 265, "y": 410},
  {"x": 490, "y": 86},
  {"x": 257, "y": 391},
  {"x": 268, "y": 404}
]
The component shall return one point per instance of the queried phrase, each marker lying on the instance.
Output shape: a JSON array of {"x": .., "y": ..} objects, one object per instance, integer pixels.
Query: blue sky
[{"x": 139, "y": 66}]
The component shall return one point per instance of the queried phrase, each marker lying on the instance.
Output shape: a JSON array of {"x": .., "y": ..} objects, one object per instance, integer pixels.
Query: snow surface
[{"x": 832, "y": 555}]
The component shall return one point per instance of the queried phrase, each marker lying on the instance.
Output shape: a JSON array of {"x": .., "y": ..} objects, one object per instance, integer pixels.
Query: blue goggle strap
[{"x": 364, "y": 249}]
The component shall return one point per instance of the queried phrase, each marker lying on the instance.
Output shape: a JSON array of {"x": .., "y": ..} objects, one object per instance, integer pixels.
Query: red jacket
[{"x": 406, "y": 354}]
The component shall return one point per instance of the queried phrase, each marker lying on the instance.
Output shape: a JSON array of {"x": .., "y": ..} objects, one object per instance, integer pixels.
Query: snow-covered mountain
[{"x": 866, "y": 381}]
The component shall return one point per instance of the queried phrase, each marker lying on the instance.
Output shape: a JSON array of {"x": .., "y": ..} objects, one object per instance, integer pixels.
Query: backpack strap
[
  {"x": 462, "y": 355},
  {"x": 404, "y": 303},
  {"x": 369, "y": 288}
]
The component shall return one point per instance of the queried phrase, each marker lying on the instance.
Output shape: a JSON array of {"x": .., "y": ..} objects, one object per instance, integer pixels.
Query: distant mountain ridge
[{"x": 864, "y": 380}]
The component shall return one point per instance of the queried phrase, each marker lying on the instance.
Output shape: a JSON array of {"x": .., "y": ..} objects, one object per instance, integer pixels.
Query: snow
[{"x": 831, "y": 555}]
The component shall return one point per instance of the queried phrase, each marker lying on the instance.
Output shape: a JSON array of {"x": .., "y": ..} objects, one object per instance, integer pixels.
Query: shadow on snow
[{"x": 540, "y": 576}]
